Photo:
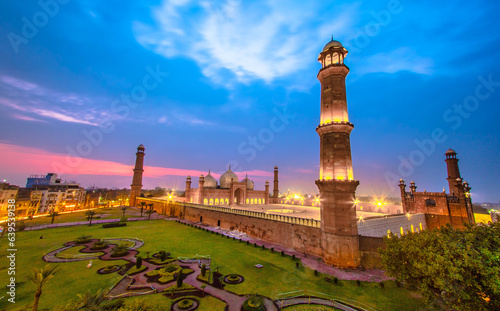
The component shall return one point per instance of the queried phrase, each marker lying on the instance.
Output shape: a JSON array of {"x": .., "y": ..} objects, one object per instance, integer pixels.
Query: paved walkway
[{"x": 310, "y": 261}]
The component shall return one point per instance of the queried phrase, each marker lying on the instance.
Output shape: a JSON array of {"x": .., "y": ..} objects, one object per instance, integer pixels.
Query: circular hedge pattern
[
  {"x": 233, "y": 279},
  {"x": 109, "y": 269},
  {"x": 186, "y": 304},
  {"x": 253, "y": 304}
]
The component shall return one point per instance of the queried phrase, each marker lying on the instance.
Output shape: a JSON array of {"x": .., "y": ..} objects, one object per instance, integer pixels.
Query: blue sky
[{"x": 227, "y": 71}]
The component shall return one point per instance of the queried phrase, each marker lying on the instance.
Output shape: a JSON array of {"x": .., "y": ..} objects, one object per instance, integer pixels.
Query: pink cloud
[{"x": 23, "y": 161}]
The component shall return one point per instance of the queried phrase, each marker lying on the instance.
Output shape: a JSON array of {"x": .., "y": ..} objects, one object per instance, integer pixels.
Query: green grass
[
  {"x": 279, "y": 274},
  {"x": 102, "y": 213},
  {"x": 74, "y": 252}
]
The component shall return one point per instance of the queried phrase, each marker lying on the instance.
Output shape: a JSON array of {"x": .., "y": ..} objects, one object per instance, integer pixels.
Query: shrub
[
  {"x": 381, "y": 284},
  {"x": 335, "y": 280},
  {"x": 166, "y": 278},
  {"x": 138, "y": 262},
  {"x": 203, "y": 270},
  {"x": 152, "y": 273},
  {"x": 123, "y": 219},
  {"x": 263, "y": 246},
  {"x": 254, "y": 244},
  {"x": 253, "y": 304},
  {"x": 272, "y": 249},
  {"x": 82, "y": 239},
  {"x": 135, "y": 270},
  {"x": 180, "y": 278},
  {"x": 248, "y": 242},
  {"x": 282, "y": 253},
  {"x": 398, "y": 284},
  {"x": 185, "y": 304},
  {"x": 114, "y": 225},
  {"x": 171, "y": 268},
  {"x": 358, "y": 282},
  {"x": 316, "y": 272},
  {"x": 99, "y": 245},
  {"x": 297, "y": 265},
  {"x": 163, "y": 255},
  {"x": 293, "y": 257}
]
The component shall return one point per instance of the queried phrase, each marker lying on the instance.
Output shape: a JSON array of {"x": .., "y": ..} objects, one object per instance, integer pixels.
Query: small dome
[
  {"x": 141, "y": 147},
  {"x": 225, "y": 179},
  {"x": 450, "y": 151},
  {"x": 189, "y": 177},
  {"x": 210, "y": 181},
  {"x": 276, "y": 167},
  {"x": 248, "y": 182},
  {"x": 332, "y": 43}
]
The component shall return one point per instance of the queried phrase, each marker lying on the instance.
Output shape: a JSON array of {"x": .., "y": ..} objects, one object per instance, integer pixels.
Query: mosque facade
[{"x": 229, "y": 191}]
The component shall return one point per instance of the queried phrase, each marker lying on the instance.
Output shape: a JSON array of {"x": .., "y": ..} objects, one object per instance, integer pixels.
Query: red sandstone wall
[
  {"x": 368, "y": 247},
  {"x": 299, "y": 237}
]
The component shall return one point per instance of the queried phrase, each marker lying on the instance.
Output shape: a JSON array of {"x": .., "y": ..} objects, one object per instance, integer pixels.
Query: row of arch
[
  {"x": 334, "y": 58},
  {"x": 222, "y": 201},
  {"x": 402, "y": 231}
]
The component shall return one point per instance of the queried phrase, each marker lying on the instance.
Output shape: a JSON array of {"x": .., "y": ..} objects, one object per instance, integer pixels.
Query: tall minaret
[
  {"x": 336, "y": 182},
  {"x": 136, "y": 186},
  {"x": 276, "y": 190},
  {"x": 458, "y": 187},
  {"x": 454, "y": 179}
]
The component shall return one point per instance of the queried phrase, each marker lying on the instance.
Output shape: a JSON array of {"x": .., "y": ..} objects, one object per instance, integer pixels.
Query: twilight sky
[{"x": 203, "y": 84}]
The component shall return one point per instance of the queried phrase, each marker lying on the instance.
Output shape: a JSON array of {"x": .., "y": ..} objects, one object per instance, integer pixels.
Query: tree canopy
[{"x": 459, "y": 267}]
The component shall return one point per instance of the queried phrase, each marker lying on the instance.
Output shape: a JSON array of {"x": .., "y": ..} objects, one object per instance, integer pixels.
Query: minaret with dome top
[{"x": 336, "y": 180}]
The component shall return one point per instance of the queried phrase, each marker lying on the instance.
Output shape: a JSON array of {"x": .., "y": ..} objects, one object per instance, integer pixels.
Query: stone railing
[{"x": 242, "y": 212}]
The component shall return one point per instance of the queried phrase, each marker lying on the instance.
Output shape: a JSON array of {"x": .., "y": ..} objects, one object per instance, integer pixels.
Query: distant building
[
  {"x": 35, "y": 180},
  {"x": 7, "y": 192},
  {"x": 49, "y": 192},
  {"x": 441, "y": 208}
]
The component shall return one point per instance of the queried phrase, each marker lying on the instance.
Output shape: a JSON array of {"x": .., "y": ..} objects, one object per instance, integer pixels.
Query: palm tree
[
  {"x": 53, "y": 214},
  {"x": 143, "y": 204},
  {"x": 124, "y": 209},
  {"x": 149, "y": 212},
  {"x": 39, "y": 277},
  {"x": 90, "y": 215},
  {"x": 89, "y": 301},
  {"x": 150, "y": 205}
]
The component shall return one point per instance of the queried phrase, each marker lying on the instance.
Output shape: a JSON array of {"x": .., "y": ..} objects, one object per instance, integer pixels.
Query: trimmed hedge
[{"x": 114, "y": 225}]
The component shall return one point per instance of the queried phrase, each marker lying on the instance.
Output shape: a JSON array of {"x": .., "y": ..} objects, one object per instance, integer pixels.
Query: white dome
[
  {"x": 225, "y": 179},
  {"x": 249, "y": 183},
  {"x": 210, "y": 181}
]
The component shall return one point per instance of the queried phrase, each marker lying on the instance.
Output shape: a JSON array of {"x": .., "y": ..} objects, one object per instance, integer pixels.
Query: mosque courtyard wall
[{"x": 301, "y": 234}]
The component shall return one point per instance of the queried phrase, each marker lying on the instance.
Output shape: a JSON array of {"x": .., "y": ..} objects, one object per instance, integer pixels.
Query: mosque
[{"x": 229, "y": 191}]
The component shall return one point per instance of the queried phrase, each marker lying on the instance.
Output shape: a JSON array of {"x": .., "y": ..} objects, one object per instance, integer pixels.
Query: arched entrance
[{"x": 238, "y": 195}]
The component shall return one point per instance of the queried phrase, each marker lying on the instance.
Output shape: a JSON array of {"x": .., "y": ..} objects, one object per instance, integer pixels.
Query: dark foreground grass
[{"x": 279, "y": 274}]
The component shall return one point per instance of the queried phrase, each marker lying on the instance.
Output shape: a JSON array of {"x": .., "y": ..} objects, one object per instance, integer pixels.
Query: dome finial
[
  {"x": 332, "y": 37},
  {"x": 229, "y": 166}
]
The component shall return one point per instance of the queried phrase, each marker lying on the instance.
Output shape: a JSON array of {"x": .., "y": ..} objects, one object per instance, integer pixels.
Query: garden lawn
[
  {"x": 101, "y": 213},
  {"x": 279, "y": 274}
]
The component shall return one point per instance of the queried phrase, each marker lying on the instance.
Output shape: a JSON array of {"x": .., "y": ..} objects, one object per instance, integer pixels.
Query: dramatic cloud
[{"x": 251, "y": 40}]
